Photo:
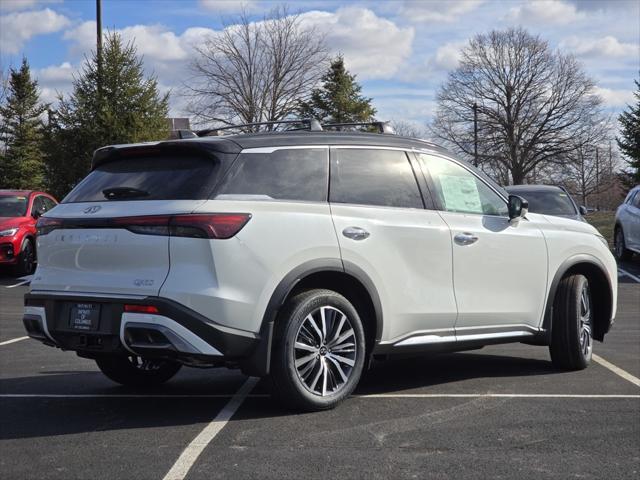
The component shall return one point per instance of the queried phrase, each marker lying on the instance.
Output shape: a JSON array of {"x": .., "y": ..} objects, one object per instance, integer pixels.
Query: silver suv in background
[{"x": 627, "y": 229}]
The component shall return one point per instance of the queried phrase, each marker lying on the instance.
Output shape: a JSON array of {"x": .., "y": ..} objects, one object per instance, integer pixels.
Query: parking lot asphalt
[{"x": 498, "y": 412}]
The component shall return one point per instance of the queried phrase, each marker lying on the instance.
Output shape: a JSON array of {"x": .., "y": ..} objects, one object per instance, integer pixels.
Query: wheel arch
[
  {"x": 600, "y": 288},
  {"x": 345, "y": 278}
]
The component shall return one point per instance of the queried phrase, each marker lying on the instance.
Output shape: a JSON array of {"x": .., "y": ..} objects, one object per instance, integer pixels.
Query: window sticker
[{"x": 460, "y": 193}]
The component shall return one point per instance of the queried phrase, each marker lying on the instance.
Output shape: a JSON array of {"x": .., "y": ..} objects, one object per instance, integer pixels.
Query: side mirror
[
  {"x": 583, "y": 210},
  {"x": 518, "y": 207}
]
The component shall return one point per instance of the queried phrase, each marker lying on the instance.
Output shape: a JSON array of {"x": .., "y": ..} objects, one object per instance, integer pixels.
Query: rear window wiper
[{"x": 119, "y": 193}]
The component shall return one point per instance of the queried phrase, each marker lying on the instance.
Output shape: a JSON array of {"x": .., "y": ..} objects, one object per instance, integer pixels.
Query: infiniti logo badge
[{"x": 93, "y": 209}]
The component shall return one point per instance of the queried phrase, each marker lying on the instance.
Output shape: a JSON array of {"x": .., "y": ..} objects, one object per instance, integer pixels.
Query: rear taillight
[
  {"x": 141, "y": 309},
  {"x": 46, "y": 225},
  {"x": 211, "y": 225},
  {"x": 215, "y": 225}
]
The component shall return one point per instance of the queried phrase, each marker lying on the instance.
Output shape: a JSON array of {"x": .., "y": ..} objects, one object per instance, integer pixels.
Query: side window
[
  {"x": 38, "y": 205},
  {"x": 48, "y": 203},
  {"x": 286, "y": 174},
  {"x": 461, "y": 191},
  {"x": 373, "y": 177}
]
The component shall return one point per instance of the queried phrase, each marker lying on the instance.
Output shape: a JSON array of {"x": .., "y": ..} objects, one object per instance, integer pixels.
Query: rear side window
[
  {"x": 373, "y": 177},
  {"x": 285, "y": 174},
  {"x": 549, "y": 203},
  {"x": 148, "y": 178}
]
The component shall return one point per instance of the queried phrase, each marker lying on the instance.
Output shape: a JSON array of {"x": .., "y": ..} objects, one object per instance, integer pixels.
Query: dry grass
[{"x": 604, "y": 222}]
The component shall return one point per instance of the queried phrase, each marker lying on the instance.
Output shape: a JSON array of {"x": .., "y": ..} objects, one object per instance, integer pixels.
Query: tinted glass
[
  {"x": 156, "y": 178},
  {"x": 13, "y": 206},
  {"x": 373, "y": 177},
  {"x": 459, "y": 190},
  {"x": 548, "y": 203},
  {"x": 38, "y": 205},
  {"x": 48, "y": 203},
  {"x": 287, "y": 174}
]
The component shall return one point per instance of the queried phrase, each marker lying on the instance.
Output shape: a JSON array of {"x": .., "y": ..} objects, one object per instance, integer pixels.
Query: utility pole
[
  {"x": 99, "y": 45},
  {"x": 475, "y": 134},
  {"x": 597, "y": 180}
]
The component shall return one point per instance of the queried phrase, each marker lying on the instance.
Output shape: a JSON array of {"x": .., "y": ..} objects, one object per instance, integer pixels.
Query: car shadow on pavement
[{"x": 27, "y": 417}]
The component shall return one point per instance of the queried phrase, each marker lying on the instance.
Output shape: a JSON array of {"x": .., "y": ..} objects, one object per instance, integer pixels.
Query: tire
[
  {"x": 136, "y": 371},
  {"x": 620, "y": 247},
  {"x": 571, "y": 332},
  {"x": 308, "y": 383},
  {"x": 26, "y": 259}
]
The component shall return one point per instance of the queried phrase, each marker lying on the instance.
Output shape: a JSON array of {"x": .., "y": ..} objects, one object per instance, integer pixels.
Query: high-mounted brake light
[{"x": 141, "y": 309}]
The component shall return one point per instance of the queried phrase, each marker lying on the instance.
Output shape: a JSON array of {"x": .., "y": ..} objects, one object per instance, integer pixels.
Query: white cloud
[
  {"x": 18, "y": 27},
  {"x": 373, "y": 47},
  {"x": 229, "y": 6},
  {"x": 615, "y": 98},
  {"x": 608, "y": 46},
  {"x": 553, "y": 12},
  {"x": 56, "y": 73},
  {"x": 448, "y": 56},
  {"x": 15, "y": 5},
  {"x": 437, "y": 10}
]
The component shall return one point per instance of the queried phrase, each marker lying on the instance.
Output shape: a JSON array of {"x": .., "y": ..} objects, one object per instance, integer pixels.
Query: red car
[{"x": 19, "y": 211}]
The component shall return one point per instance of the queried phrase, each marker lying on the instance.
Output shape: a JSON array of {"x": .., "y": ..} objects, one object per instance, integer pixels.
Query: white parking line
[
  {"x": 195, "y": 448},
  {"x": 373, "y": 395},
  {"x": 491, "y": 395},
  {"x": 617, "y": 370},
  {"x": 13, "y": 340},
  {"x": 627, "y": 274}
]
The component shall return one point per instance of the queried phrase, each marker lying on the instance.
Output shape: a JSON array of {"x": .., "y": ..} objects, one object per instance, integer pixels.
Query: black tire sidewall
[{"x": 288, "y": 383}]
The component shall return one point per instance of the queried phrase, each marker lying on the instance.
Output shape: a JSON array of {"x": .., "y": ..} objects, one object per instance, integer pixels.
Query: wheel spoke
[
  {"x": 303, "y": 360},
  {"x": 338, "y": 368},
  {"x": 303, "y": 346},
  {"x": 343, "y": 347},
  {"x": 342, "y": 359},
  {"x": 321, "y": 366},
  {"x": 312, "y": 321},
  {"x": 323, "y": 324},
  {"x": 324, "y": 377},
  {"x": 342, "y": 337},
  {"x": 337, "y": 330}
]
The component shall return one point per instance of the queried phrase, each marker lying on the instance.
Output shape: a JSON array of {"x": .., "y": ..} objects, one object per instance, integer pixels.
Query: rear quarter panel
[{"x": 231, "y": 281}]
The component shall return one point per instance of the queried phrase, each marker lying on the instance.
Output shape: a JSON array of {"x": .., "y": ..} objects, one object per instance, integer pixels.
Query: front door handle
[
  {"x": 465, "y": 238},
  {"x": 355, "y": 233}
]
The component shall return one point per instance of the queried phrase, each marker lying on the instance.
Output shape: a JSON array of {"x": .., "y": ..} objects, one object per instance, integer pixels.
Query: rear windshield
[
  {"x": 549, "y": 203},
  {"x": 149, "y": 178},
  {"x": 13, "y": 205}
]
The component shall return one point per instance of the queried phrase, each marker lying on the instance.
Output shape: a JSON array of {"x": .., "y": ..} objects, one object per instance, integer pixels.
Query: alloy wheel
[
  {"x": 586, "y": 342},
  {"x": 325, "y": 351}
]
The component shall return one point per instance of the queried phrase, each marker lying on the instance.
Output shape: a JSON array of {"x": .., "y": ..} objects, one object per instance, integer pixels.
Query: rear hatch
[{"x": 110, "y": 235}]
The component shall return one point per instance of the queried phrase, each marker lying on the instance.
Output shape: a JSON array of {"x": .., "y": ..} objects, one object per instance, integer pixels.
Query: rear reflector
[
  {"x": 141, "y": 309},
  {"x": 212, "y": 225}
]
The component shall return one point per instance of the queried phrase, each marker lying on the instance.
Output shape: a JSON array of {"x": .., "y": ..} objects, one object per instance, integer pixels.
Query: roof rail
[
  {"x": 313, "y": 125},
  {"x": 383, "y": 127}
]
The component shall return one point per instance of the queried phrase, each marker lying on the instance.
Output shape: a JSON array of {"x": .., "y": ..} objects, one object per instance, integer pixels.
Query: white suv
[
  {"x": 627, "y": 228},
  {"x": 302, "y": 256}
]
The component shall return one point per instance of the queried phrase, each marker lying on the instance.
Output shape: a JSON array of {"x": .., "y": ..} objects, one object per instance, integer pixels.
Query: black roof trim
[{"x": 235, "y": 143}]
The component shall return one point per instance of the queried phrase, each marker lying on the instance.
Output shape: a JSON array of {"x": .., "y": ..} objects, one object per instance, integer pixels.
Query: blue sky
[{"x": 401, "y": 51}]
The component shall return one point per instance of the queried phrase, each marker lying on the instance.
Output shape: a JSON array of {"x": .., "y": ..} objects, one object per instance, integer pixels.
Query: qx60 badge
[{"x": 92, "y": 209}]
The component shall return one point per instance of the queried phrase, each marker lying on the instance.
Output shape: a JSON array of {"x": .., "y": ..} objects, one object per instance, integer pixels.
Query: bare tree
[
  {"x": 408, "y": 129},
  {"x": 531, "y": 104},
  {"x": 256, "y": 71}
]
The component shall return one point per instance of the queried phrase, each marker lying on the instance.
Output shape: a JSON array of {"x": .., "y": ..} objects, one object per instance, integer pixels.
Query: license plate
[{"x": 85, "y": 316}]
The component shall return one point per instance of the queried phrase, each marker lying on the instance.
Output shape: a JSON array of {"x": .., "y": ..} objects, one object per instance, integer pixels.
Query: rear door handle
[
  {"x": 465, "y": 238},
  {"x": 355, "y": 233}
]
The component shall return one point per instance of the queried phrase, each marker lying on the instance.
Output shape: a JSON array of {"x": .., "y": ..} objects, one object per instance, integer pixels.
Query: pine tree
[
  {"x": 22, "y": 164},
  {"x": 123, "y": 107},
  {"x": 629, "y": 142},
  {"x": 339, "y": 100}
]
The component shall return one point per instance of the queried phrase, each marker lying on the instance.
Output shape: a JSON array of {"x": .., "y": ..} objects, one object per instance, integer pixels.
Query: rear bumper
[{"x": 173, "y": 332}]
